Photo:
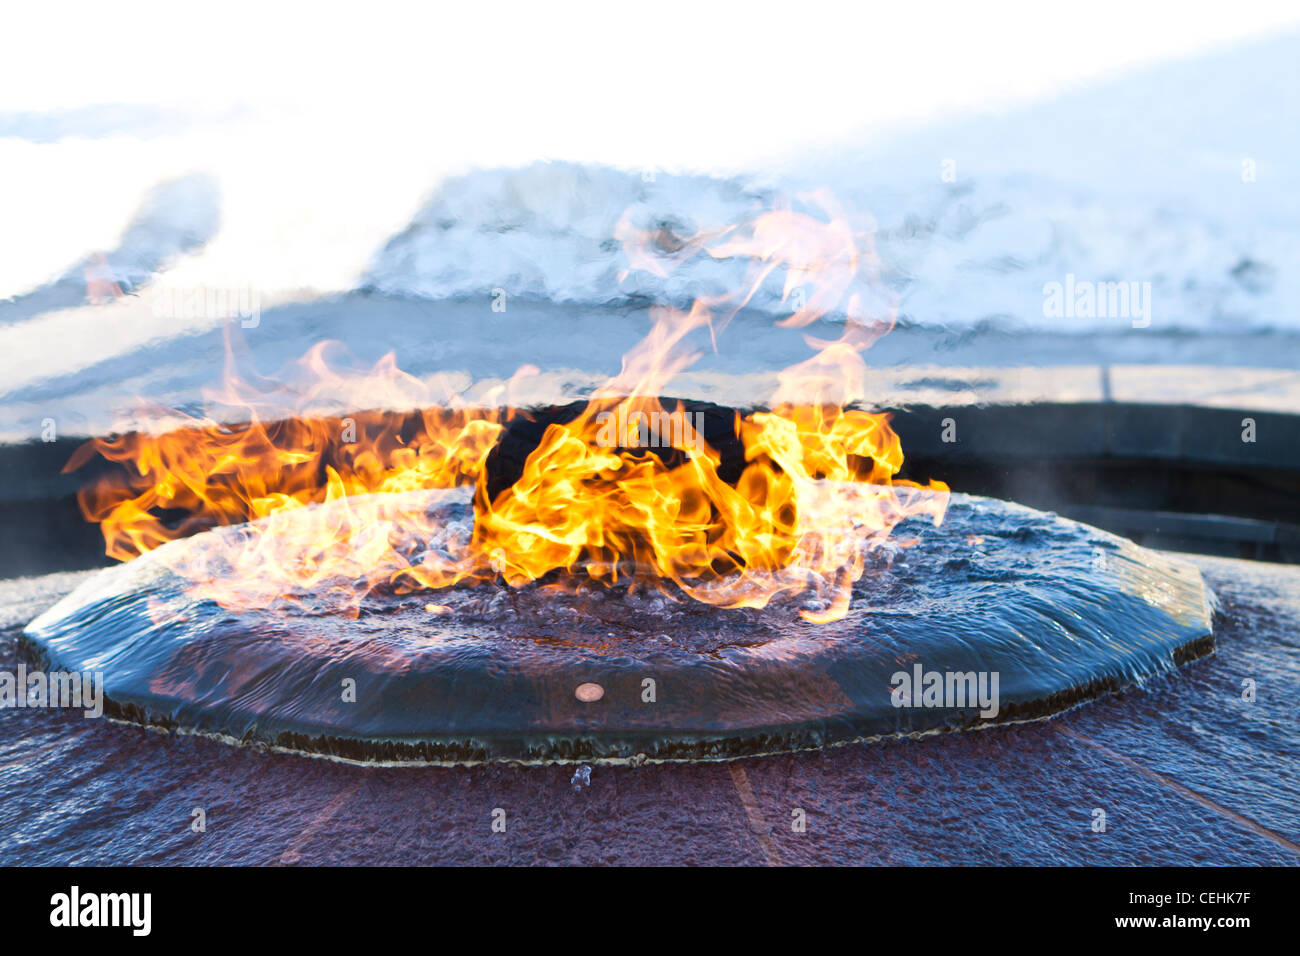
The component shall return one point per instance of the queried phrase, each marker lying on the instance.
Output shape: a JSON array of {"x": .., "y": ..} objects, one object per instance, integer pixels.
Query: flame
[
  {"x": 319, "y": 504},
  {"x": 101, "y": 283}
]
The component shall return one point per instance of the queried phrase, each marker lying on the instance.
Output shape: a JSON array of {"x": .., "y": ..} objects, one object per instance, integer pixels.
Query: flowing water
[{"x": 1042, "y": 613}]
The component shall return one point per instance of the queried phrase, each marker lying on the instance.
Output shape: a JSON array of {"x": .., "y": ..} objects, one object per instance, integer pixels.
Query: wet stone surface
[
  {"x": 74, "y": 790},
  {"x": 1054, "y": 611}
]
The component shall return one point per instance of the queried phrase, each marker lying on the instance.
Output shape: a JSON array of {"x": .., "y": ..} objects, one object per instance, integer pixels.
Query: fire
[
  {"x": 627, "y": 492},
  {"x": 101, "y": 286}
]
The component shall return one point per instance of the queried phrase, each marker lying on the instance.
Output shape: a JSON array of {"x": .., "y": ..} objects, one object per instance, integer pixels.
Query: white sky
[
  {"x": 660, "y": 78},
  {"x": 357, "y": 110}
]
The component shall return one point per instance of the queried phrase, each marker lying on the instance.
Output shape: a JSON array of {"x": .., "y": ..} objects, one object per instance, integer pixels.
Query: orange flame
[
  {"x": 101, "y": 285},
  {"x": 322, "y": 511}
]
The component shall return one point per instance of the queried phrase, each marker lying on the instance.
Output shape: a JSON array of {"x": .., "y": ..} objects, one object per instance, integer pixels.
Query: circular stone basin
[{"x": 1000, "y": 614}]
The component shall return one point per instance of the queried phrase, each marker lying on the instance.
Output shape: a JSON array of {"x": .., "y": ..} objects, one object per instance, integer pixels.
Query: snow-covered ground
[{"x": 1158, "y": 159}]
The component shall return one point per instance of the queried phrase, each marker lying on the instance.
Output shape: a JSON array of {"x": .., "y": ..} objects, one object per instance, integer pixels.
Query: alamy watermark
[
  {"x": 35, "y": 688},
  {"x": 1084, "y": 299},
  {"x": 636, "y": 429},
  {"x": 214, "y": 303},
  {"x": 923, "y": 688},
  {"x": 75, "y": 908}
]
